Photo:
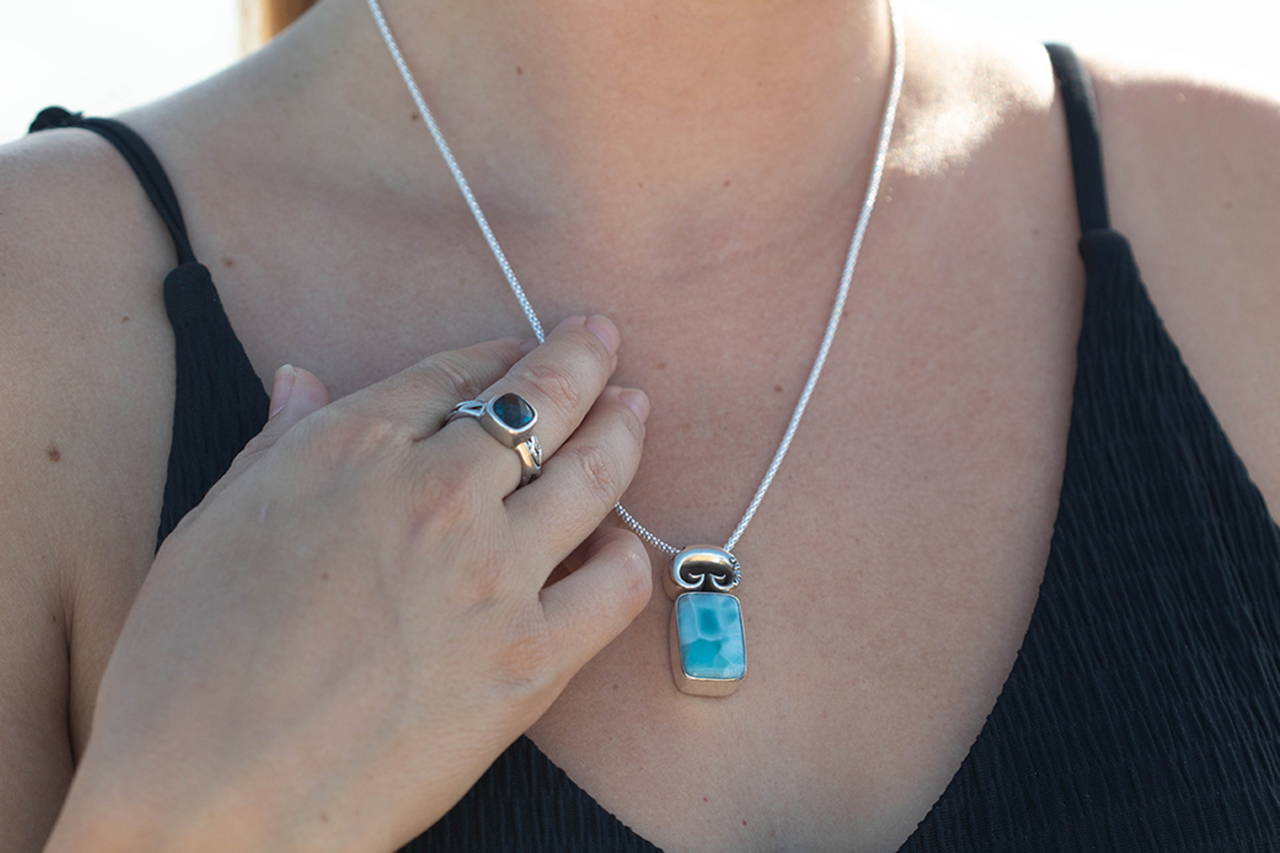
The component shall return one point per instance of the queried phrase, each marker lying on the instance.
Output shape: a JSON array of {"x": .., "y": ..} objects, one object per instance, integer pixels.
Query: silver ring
[{"x": 509, "y": 418}]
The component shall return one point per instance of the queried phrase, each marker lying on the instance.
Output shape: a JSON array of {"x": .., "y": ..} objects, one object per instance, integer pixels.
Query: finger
[
  {"x": 560, "y": 379},
  {"x": 295, "y": 393},
  {"x": 581, "y": 483},
  {"x": 587, "y": 609},
  {"x": 423, "y": 393}
]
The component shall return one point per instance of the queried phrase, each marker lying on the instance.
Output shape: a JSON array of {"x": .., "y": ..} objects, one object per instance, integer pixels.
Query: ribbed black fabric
[
  {"x": 220, "y": 403},
  {"x": 1143, "y": 710}
]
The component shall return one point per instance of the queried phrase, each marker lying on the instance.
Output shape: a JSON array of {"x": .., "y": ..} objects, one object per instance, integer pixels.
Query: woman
[{"x": 1012, "y": 589}]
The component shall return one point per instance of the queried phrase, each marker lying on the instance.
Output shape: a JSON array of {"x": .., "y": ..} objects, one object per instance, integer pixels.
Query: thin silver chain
[{"x": 873, "y": 190}]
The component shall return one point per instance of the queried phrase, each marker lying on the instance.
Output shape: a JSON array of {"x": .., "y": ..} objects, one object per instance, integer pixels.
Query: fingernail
[
  {"x": 281, "y": 388},
  {"x": 604, "y": 329},
  {"x": 529, "y": 345},
  {"x": 572, "y": 320},
  {"x": 637, "y": 401}
]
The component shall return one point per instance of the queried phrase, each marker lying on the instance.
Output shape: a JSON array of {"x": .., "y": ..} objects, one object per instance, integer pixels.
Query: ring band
[
  {"x": 509, "y": 418},
  {"x": 530, "y": 453}
]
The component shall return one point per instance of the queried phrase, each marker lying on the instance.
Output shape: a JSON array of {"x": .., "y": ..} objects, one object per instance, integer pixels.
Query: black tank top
[{"x": 1142, "y": 712}]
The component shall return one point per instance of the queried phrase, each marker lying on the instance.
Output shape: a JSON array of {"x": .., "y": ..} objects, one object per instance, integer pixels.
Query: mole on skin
[{"x": 54, "y": 453}]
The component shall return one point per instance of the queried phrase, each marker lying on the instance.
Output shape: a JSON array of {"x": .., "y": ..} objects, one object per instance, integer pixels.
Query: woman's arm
[
  {"x": 35, "y": 752},
  {"x": 85, "y": 398},
  {"x": 35, "y": 748}
]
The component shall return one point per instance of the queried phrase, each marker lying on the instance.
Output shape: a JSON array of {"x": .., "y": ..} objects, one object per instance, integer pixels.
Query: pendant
[{"x": 707, "y": 643}]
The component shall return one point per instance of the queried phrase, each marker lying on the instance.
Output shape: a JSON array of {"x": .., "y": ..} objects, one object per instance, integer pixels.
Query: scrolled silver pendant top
[{"x": 702, "y": 568}]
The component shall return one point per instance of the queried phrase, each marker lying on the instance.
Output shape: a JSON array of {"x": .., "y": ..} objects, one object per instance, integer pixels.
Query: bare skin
[{"x": 927, "y": 470}]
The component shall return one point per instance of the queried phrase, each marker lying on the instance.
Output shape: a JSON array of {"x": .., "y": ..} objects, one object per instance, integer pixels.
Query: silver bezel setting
[{"x": 499, "y": 430}]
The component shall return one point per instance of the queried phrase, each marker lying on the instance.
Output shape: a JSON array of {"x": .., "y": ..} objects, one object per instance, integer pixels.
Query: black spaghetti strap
[
  {"x": 220, "y": 402},
  {"x": 140, "y": 158},
  {"x": 1082, "y": 128}
]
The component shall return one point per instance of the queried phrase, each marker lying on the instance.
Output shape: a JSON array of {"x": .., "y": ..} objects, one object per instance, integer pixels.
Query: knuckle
[
  {"x": 598, "y": 470},
  {"x": 633, "y": 424},
  {"x": 599, "y": 352},
  {"x": 345, "y": 435},
  {"x": 554, "y": 383},
  {"x": 482, "y": 581},
  {"x": 637, "y": 570},
  {"x": 445, "y": 502},
  {"x": 450, "y": 375},
  {"x": 525, "y": 661},
  {"x": 450, "y": 526}
]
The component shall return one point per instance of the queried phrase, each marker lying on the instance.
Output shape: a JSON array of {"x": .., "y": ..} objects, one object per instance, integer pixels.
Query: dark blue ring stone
[{"x": 513, "y": 411}]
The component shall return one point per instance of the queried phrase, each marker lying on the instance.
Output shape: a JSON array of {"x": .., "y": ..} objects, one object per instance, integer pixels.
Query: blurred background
[{"x": 100, "y": 56}]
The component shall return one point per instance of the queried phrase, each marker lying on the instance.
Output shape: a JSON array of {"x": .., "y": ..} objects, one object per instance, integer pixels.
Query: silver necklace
[{"x": 707, "y": 645}]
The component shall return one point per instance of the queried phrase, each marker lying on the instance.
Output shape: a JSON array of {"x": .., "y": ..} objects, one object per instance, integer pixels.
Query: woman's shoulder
[
  {"x": 78, "y": 229},
  {"x": 1192, "y": 171},
  {"x": 83, "y": 335},
  {"x": 1193, "y": 176},
  {"x": 1208, "y": 141}
]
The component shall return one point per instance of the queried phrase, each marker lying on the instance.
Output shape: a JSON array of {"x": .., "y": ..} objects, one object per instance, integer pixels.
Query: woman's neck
[{"x": 642, "y": 118}]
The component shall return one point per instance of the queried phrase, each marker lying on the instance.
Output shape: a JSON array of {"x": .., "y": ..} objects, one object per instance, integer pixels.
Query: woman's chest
[
  {"x": 888, "y": 575},
  {"x": 888, "y": 581}
]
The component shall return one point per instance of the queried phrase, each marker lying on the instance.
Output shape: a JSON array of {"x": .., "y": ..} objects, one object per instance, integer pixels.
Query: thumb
[{"x": 295, "y": 393}]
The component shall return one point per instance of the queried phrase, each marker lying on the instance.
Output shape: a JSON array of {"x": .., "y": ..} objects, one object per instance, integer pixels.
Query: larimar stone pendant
[{"x": 708, "y": 646}]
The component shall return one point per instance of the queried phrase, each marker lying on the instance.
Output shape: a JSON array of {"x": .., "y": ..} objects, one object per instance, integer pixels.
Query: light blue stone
[{"x": 709, "y": 630}]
